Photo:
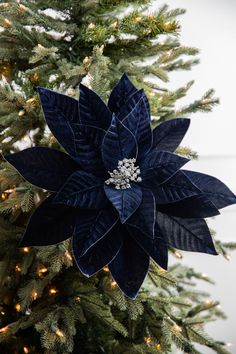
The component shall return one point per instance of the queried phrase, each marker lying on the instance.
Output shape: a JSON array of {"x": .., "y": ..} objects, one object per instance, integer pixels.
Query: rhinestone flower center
[{"x": 125, "y": 173}]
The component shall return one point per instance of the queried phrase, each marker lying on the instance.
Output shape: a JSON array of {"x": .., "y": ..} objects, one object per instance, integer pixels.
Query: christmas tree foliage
[{"x": 46, "y": 305}]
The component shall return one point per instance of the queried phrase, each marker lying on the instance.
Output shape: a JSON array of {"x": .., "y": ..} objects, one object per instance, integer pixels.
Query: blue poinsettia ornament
[{"x": 118, "y": 191}]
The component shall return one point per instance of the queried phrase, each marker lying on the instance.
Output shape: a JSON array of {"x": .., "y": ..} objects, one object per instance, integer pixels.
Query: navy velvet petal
[
  {"x": 155, "y": 247},
  {"x": 160, "y": 166},
  {"x": 44, "y": 167},
  {"x": 176, "y": 188},
  {"x": 88, "y": 141},
  {"x": 168, "y": 135},
  {"x": 82, "y": 190},
  {"x": 138, "y": 122},
  {"x": 91, "y": 227},
  {"x": 121, "y": 93},
  {"x": 186, "y": 234},
  {"x": 212, "y": 188},
  {"x": 60, "y": 112},
  {"x": 130, "y": 266},
  {"x": 145, "y": 216},
  {"x": 126, "y": 201},
  {"x": 100, "y": 254},
  {"x": 129, "y": 105},
  {"x": 197, "y": 206},
  {"x": 93, "y": 110},
  {"x": 118, "y": 143},
  {"x": 49, "y": 224}
]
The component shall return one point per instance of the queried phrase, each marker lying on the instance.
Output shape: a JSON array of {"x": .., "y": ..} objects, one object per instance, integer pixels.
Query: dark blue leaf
[
  {"x": 215, "y": 190},
  {"x": 126, "y": 201},
  {"x": 155, "y": 247},
  {"x": 197, "y": 206},
  {"x": 168, "y": 135},
  {"x": 119, "y": 143},
  {"x": 91, "y": 227},
  {"x": 145, "y": 216},
  {"x": 60, "y": 112},
  {"x": 88, "y": 140},
  {"x": 44, "y": 167},
  {"x": 131, "y": 103},
  {"x": 93, "y": 111},
  {"x": 82, "y": 190},
  {"x": 138, "y": 122},
  {"x": 160, "y": 166},
  {"x": 49, "y": 224},
  {"x": 130, "y": 266},
  {"x": 176, "y": 188},
  {"x": 100, "y": 254},
  {"x": 186, "y": 234},
  {"x": 121, "y": 94}
]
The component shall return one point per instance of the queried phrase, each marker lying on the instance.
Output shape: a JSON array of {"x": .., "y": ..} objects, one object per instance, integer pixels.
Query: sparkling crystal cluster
[{"x": 125, "y": 173}]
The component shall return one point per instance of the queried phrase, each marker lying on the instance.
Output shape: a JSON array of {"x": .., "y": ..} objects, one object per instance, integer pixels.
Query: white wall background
[{"x": 211, "y": 27}]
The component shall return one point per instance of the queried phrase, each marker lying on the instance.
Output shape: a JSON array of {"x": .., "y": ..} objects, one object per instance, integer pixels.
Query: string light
[
  {"x": 91, "y": 26},
  {"x": 86, "y": 60},
  {"x": 150, "y": 17},
  {"x": 204, "y": 276},
  {"x": 17, "y": 307},
  {"x": 178, "y": 255},
  {"x": 53, "y": 291},
  {"x": 2, "y": 313},
  {"x": 68, "y": 255},
  {"x": 17, "y": 268},
  {"x": 176, "y": 329},
  {"x": 158, "y": 347},
  {"x": 31, "y": 100},
  {"x": 105, "y": 269},
  {"x": 7, "y": 21},
  {"x": 148, "y": 340},
  {"x": 26, "y": 350},
  {"x": 4, "y": 329},
  {"x": 77, "y": 298},
  {"x": 227, "y": 256},
  {"x": 114, "y": 24},
  {"x": 151, "y": 94},
  {"x": 59, "y": 333},
  {"x": 26, "y": 249},
  {"x": 148, "y": 31},
  {"x": 138, "y": 19},
  {"x": 113, "y": 284},
  {"x": 42, "y": 270},
  {"x": 34, "y": 295}
]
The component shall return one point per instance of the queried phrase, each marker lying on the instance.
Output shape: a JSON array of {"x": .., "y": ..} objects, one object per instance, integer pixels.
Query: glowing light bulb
[
  {"x": 34, "y": 295},
  {"x": 17, "y": 307},
  {"x": 53, "y": 291},
  {"x": 148, "y": 340},
  {"x": 59, "y": 333},
  {"x": 26, "y": 249},
  {"x": 4, "y": 329},
  {"x": 26, "y": 350},
  {"x": 113, "y": 284}
]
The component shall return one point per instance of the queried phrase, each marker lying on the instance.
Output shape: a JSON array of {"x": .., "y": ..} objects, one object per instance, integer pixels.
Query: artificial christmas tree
[{"x": 46, "y": 304}]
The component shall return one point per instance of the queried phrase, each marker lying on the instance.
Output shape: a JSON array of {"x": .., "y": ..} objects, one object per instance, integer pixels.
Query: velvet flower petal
[
  {"x": 44, "y": 167},
  {"x": 82, "y": 190},
  {"x": 49, "y": 224},
  {"x": 91, "y": 227},
  {"x": 101, "y": 253},
  {"x": 121, "y": 93},
  {"x": 160, "y": 166},
  {"x": 168, "y": 135},
  {"x": 186, "y": 234},
  {"x": 130, "y": 266}
]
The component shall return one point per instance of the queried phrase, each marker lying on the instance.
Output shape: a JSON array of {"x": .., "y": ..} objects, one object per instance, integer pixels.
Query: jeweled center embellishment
[{"x": 125, "y": 173}]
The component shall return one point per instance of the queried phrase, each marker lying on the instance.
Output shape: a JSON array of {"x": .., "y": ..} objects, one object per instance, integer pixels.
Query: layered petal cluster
[{"x": 118, "y": 190}]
